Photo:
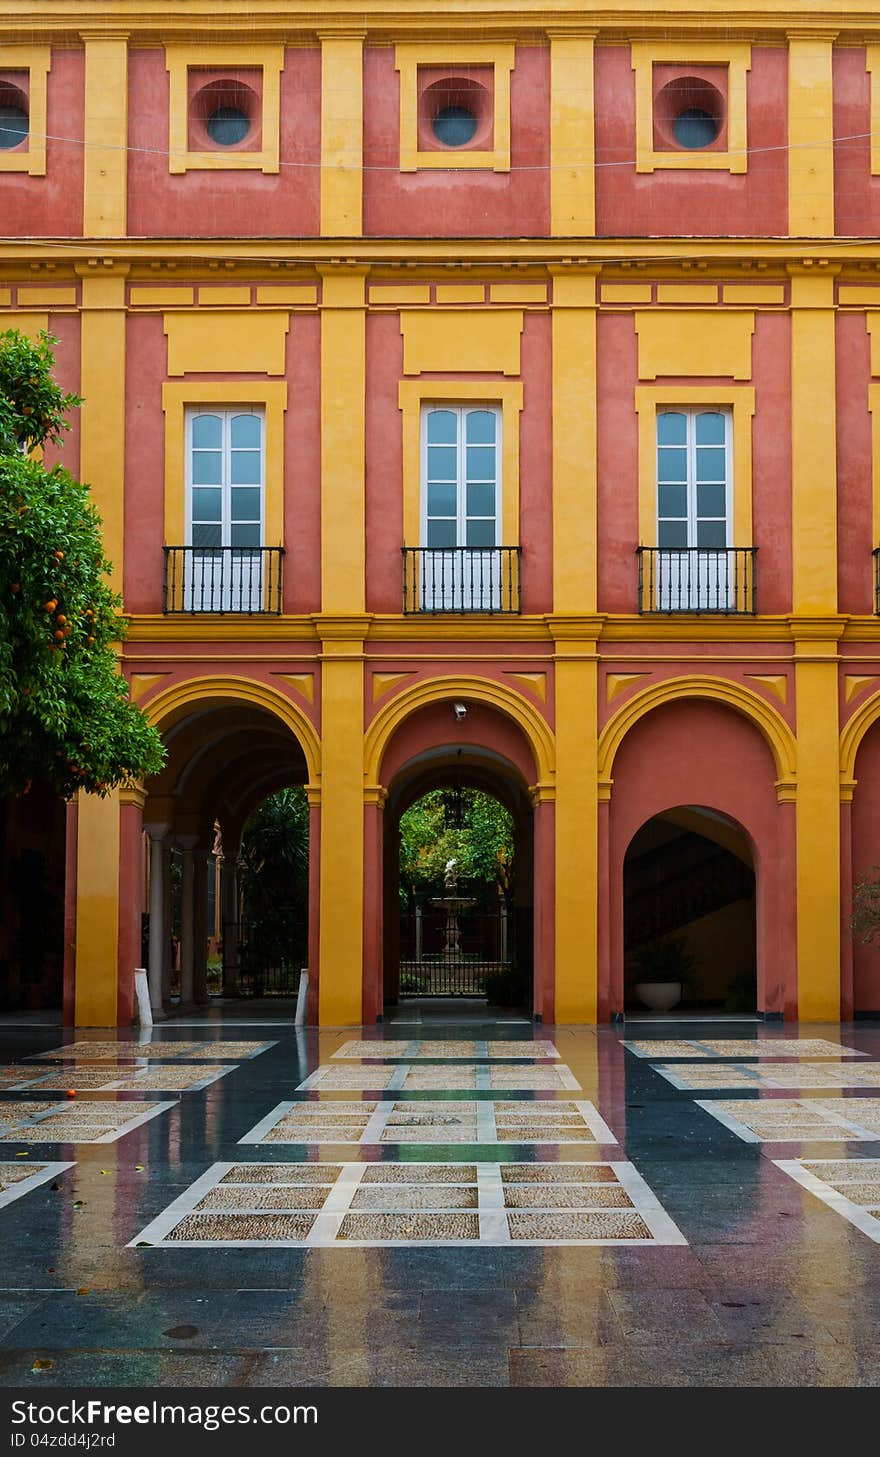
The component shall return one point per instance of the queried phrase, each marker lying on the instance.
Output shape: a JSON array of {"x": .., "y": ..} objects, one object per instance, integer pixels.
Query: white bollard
[
  {"x": 141, "y": 986},
  {"x": 299, "y": 1019}
]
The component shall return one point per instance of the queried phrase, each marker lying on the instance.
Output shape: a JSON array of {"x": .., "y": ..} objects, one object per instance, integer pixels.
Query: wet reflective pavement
[{"x": 760, "y": 1266}]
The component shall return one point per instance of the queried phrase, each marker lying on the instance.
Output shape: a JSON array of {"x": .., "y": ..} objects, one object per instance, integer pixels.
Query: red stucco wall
[
  {"x": 461, "y": 202},
  {"x": 854, "y": 491},
  {"x": 233, "y": 204},
  {"x": 51, "y": 206},
  {"x": 702, "y": 754},
  {"x": 687, "y": 203},
  {"x": 865, "y": 854},
  {"x": 856, "y": 192}
]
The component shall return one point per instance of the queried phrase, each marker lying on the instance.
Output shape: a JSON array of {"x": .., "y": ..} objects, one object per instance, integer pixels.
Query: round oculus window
[
  {"x": 227, "y": 125},
  {"x": 694, "y": 128},
  {"x": 454, "y": 126},
  {"x": 13, "y": 126}
]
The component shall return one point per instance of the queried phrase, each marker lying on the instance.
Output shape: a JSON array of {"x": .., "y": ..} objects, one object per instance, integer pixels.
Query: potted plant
[{"x": 658, "y": 971}]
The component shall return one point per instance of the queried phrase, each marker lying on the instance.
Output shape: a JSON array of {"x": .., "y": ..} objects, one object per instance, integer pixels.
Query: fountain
[{"x": 452, "y": 905}]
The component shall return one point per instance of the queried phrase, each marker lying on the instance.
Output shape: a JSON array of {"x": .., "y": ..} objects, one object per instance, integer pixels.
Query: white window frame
[
  {"x": 698, "y": 580},
  {"x": 460, "y": 578},
  {"x": 241, "y": 586}
]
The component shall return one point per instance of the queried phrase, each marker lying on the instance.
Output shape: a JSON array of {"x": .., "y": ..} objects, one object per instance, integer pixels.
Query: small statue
[{"x": 450, "y": 875}]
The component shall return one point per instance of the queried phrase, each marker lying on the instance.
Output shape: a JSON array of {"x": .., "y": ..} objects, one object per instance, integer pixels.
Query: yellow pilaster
[
  {"x": 810, "y": 134},
  {"x": 572, "y": 134},
  {"x": 105, "y": 136},
  {"x": 343, "y": 384},
  {"x": 342, "y": 627},
  {"x": 341, "y": 935},
  {"x": 574, "y": 442},
  {"x": 818, "y": 822},
  {"x": 102, "y": 428},
  {"x": 577, "y": 824},
  {"x": 813, "y": 444},
  {"x": 97, "y": 912},
  {"x": 342, "y": 128}
]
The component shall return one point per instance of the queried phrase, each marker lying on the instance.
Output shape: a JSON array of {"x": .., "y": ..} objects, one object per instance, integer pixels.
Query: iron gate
[{"x": 435, "y": 963}]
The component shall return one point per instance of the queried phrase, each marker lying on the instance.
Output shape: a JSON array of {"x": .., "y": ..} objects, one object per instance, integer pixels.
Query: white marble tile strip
[
  {"x": 567, "y": 1079},
  {"x": 159, "y": 1229},
  {"x": 835, "y": 1125},
  {"x": 745, "y": 1069},
  {"x": 483, "y": 1079},
  {"x": 486, "y": 1130},
  {"x": 662, "y": 1226},
  {"x": 854, "y": 1213},
  {"x": 483, "y": 1050},
  {"x": 24, "y": 1186},
  {"x": 335, "y": 1207},
  {"x": 740, "y": 1129},
  {"x": 312, "y": 1080},
  {"x": 398, "y": 1078},
  {"x": 259, "y": 1130},
  {"x": 197, "y": 1086},
  {"x": 494, "y": 1228},
  {"x": 19, "y": 1132},
  {"x": 376, "y": 1125},
  {"x": 597, "y": 1125}
]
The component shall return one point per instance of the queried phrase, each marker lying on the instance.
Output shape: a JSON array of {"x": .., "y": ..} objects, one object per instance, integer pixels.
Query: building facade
[{"x": 478, "y": 391}]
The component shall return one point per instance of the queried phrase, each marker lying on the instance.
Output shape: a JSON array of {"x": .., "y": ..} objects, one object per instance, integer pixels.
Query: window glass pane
[
  {"x": 672, "y": 465},
  {"x": 672, "y": 501},
  {"x": 480, "y": 427},
  {"x": 711, "y": 533},
  {"x": 442, "y": 427},
  {"x": 206, "y": 504},
  {"x": 245, "y": 467},
  {"x": 441, "y": 533},
  {"x": 442, "y": 462},
  {"x": 246, "y": 432},
  {"x": 710, "y": 464},
  {"x": 671, "y": 428},
  {"x": 480, "y": 533},
  {"x": 206, "y": 536},
  {"x": 207, "y": 432},
  {"x": 711, "y": 501},
  {"x": 206, "y": 467},
  {"x": 245, "y": 535},
  {"x": 246, "y": 502},
  {"x": 672, "y": 533},
  {"x": 481, "y": 499},
  {"x": 481, "y": 462},
  {"x": 441, "y": 499},
  {"x": 710, "y": 428}
]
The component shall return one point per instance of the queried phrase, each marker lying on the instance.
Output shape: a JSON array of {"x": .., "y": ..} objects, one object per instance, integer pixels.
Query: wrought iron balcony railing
[
  {"x": 697, "y": 579},
  {"x": 877, "y": 580},
  {"x": 461, "y": 579},
  {"x": 222, "y": 579}
]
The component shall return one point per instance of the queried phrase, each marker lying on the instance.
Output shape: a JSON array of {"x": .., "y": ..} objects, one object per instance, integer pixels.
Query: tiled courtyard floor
[{"x": 532, "y": 1206}]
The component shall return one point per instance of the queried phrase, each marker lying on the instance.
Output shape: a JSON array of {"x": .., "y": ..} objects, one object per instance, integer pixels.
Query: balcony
[
  {"x": 698, "y": 579},
  {"x": 461, "y": 579},
  {"x": 225, "y": 579}
]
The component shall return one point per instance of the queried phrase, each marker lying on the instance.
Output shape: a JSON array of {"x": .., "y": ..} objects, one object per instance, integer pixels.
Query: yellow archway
[
  {"x": 852, "y": 735},
  {"x": 775, "y": 730},
  {"x": 481, "y": 690},
  {"x": 171, "y": 704}
]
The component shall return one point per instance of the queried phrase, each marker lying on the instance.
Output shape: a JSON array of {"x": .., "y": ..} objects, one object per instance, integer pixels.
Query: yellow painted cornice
[
  {"x": 157, "y": 260},
  {"x": 587, "y": 629},
  {"x": 529, "y": 19},
  {"x": 159, "y": 629}
]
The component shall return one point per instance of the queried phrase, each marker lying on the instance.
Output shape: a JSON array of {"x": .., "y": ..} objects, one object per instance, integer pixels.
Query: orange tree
[{"x": 65, "y": 715}]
